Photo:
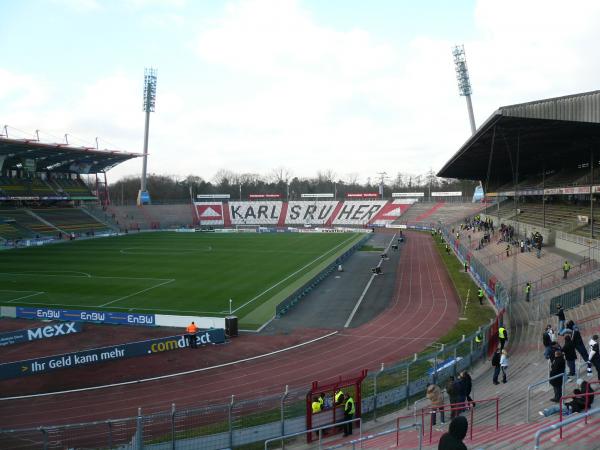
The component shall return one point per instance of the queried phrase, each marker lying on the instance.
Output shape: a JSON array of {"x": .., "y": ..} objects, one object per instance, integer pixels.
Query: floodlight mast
[
  {"x": 149, "y": 106},
  {"x": 464, "y": 84}
]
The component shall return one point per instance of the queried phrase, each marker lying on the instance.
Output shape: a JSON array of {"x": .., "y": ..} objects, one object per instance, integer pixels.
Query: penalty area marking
[
  {"x": 34, "y": 293},
  {"x": 173, "y": 375},
  {"x": 292, "y": 274}
]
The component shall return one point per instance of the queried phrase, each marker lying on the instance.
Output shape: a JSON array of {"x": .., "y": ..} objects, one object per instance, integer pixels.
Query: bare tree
[{"x": 280, "y": 174}]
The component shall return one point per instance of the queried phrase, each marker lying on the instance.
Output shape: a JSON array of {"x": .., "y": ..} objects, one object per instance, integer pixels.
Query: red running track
[{"x": 424, "y": 308}]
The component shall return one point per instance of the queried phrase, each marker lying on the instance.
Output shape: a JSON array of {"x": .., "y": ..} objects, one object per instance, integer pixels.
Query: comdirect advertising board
[
  {"x": 117, "y": 318},
  {"x": 33, "y": 334},
  {"x": 104, "y": 354}
]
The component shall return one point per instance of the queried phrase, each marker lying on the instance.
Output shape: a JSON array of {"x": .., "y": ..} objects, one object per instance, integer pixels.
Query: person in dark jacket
[
  {"x": 496, "y": 365},
  {"x": 560, "y": 313},
  {"x": 573, "y": 329},
  {"x": 585, "y": 388},
  {"x": 570, "y": 354},
  {"x": 461, "y": 397},
  {"x": 468, "y": 385},
  {"x": 453, "y": 439},
  {"x": 557, "y": 368},
  {"x": 453, "y": 395}
]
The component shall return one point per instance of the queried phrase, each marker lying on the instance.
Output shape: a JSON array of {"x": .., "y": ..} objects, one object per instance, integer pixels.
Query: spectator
[
  {"x": 504, "y": 364},
  {"x": 548, "y": 339},
  {"x": 570, "y": 355},
  {"x": 468, "y": 386},
  {"x": 560, "y": 313},
  {"x": 574, "y": 406},
  {"x": 451, "y": 390},
  {"x": 579, "y": 345},
  {"x": 557, "y": 368},
  {"x": 527, "y": 291},
  {"x": 453, "y": 439},
  {"x": 594, "y": 357},
  {"x": 496, "y": 365},
  {"x": 436, "y": 397}
]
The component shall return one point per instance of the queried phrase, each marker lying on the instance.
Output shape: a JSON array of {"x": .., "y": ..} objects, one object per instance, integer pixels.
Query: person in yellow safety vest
[
  {"x": 480, "y": 296},
  {"x": 527, "y": 291},
  {"x": 348, "y": 414},
  {"x": 338, "y": 397},
  {"x": 322, "y": 400},
  {"x": 502, "y": 336},
  {"x": 478, "y": 338},
  {"x": 566, "y": 268},
  {"x": 316, "y": 405}
]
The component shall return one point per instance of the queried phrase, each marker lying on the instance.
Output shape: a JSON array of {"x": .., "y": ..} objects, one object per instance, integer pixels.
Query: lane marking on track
[
  {"x": 292, "y": 274},
  {"x": 364, "y": 292},
  {"x": 173, "y": 375},
  {"x": 138, "y": 292}
]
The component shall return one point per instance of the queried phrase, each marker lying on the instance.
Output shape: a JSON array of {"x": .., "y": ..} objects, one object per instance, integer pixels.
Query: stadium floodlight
[
  {"x": 464, "y": 83},
  {"x": 149, "y": 106}
]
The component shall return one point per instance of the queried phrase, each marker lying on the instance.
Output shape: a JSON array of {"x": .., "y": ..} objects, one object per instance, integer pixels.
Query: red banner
[{"x": 362, "y": 195}]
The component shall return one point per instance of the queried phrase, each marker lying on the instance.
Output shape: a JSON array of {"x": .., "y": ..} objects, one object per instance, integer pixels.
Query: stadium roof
[
  {"x": 553, "y": 133},
  {"x": 58, "y": 157}
]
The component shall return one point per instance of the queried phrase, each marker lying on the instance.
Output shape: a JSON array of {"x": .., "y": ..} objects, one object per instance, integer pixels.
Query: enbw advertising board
[
  {"x": 32, "y": 334},
  {"x": 103, "y": 354},
  {"x": 117, "y": 318}
]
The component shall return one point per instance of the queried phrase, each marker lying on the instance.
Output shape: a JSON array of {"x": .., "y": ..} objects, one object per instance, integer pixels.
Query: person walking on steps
[
  {"x": 508, "y": 250},
  {"x": 496, "y": 365},
  {"x": 527, "y": 291},
  {"x": 560, "y": 313},
  {"x": 570, "y": 355},
  {"x": 566, "y": 268},
  {"x": 557, "y": 368},
  {"x": 548, "y": 340},
  {"x": 504, "y": 364},
  {"x": 468, "y": 386}
]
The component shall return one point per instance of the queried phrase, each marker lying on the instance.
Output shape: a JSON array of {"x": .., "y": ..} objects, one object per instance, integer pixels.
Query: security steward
[
  {"x": 348, "y": 414},
  {"x": 316, "y": 405},
  {"x": 191, "y": 331},
  {"x": 527, "y": 291},
  {"x": 502, "y": 336},
  {"x": 338, "y": 397},
  {"x": 480, "y": 296},
  {"x": 478, "y": 338}
]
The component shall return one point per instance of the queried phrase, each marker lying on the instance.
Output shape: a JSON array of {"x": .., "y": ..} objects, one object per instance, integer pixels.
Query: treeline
[{"x": 172, "y": 189}]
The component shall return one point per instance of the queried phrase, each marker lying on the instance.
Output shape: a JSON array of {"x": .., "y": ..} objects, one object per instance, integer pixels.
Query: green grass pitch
[{"x": 170, "y": 273}]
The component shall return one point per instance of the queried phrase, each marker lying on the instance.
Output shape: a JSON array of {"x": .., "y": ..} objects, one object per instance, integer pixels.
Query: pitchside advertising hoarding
[
  {"x": 45, "y": 332},
  {"x": 408, "y": 194},
  {"x": 117, "y": 318},
  {"x": 447, "y": 194},
  {"x": 362, "y": 195},
  {"x": 104, "y": 354}
]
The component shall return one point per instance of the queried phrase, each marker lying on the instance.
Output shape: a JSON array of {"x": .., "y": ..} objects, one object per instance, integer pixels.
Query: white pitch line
[
  {"x": 364, "y": 292},
  {"x": 138, "y": 292},
  {"x": 291, "y": 275},
  {"x": 26, "y": 296},
  {"x": 28, "y": 274},
  {"x": 172, "y": 375}
]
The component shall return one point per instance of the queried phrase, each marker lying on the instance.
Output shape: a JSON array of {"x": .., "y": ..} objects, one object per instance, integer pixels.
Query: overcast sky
[{"x": 352, "y": 86}]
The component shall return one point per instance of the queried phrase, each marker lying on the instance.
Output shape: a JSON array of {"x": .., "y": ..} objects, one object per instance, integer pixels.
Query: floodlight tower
[
  {"x": 149, "y": 106},
  {"x": 464, "y": 84}
]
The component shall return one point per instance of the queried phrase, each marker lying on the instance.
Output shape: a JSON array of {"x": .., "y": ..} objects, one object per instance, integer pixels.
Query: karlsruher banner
[
  {"x": 104, "y": 354},
  {"x": 118, "y": 318},
  {"x": 33, "y": 334}
]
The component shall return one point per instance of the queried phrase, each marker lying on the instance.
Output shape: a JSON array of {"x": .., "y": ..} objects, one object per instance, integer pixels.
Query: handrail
[
  {"x": 545, "y": 380},
  {"x": 315, "y": 430},
  {"x": 560, "y": 425},
  {"x": 458, "y": 406},
  {"x": 396, "y": 430},
  {"x": 587, "y": 404}
]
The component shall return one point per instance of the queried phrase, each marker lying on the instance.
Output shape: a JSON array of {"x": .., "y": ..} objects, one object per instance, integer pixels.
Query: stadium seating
[
  {"x": 14, "y": 187},
  {"x": 74, "y": 188},
  {"x": 8, "y": 231},
  {"x": 72, "y": 220},
  {"x": 27, "y": 222},
  {"x": 171, "y": 216}
]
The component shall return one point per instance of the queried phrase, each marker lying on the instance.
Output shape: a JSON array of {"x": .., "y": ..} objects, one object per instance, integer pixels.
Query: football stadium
[{"x": 454, "y": 310}]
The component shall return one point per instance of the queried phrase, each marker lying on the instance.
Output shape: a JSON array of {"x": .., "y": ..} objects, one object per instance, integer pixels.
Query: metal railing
[
  {"x": 560, "y": 425},
  {"x": 370, "y": 437},
  {"x": 318, "y": 430},
  {"x": 544, "y": 381}
]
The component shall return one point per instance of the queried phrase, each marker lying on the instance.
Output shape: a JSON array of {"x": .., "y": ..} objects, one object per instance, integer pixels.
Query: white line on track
[
  {"x": 138, "y": 292},
  {"x": 364, "y": 292},
  {"x": 173, "y": 375},
  {"x": 292, "y": 274}
]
